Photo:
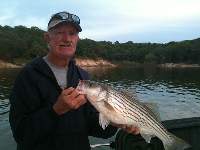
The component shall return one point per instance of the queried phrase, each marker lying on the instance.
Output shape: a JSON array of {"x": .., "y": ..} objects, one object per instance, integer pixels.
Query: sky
[{"x": 155, "y": 21}]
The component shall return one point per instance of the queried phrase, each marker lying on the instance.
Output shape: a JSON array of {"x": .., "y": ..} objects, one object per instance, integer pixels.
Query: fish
[{"x": 122, "y": 107}]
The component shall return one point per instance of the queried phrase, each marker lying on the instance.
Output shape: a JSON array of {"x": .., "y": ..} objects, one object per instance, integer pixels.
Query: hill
[{"x": 24, "y": 43}]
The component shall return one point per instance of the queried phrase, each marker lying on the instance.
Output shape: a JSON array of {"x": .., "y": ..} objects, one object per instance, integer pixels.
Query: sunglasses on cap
[{"x": 64, "y": 17}]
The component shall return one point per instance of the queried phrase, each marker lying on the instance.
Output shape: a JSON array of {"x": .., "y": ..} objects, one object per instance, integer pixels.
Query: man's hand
[
  {"x": 130, "y": 129},
  {"x": 69, "y": 99}
]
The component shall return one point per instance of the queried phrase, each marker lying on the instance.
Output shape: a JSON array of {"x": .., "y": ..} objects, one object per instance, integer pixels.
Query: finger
[
  {"x": 127, "y": 130},
  {"x": 137, "y": 131},
  {"x": 118, "y": 125},
  {"x": 74, "y": 94},
  {"x": 68, "y": 91},
  {"x": 78, "y": 104},
  {"x": 80, "y": 100},
  {"x": 134, "y": 130},
  {"x": 80, "y": 92},
  {"x": 122, "y": 126}
]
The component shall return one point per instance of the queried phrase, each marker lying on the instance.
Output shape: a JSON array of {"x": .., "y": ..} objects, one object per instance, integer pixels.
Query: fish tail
[{"x": 176, "y": 144}]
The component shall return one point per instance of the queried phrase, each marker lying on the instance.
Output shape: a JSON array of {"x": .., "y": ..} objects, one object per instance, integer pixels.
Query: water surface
[{"x": 175, "y": 91}]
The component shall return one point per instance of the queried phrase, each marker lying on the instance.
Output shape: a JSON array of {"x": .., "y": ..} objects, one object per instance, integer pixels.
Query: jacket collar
[
  {"x": 41, "y": 66},
  {"x": 73, "y": 74}
]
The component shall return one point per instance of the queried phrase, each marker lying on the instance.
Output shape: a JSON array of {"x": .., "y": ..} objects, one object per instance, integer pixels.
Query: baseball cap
[{"x": 62, "y": 17}]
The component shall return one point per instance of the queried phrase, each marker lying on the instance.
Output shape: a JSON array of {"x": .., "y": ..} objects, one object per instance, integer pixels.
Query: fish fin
[
  {"x": 146, "y": 134},
  {"x": 100, "y": 99},
  {"x": 147, "y": 137},
  {"x": 108, "y": 106},
  {"x": 176, "y": 144},
  {"x": 103, "y": 121},
  {"x": 94, "y": 98},
  {"x": 153, "y": 109},
  {"x": 102, "y": 96},
  {"x": 129, "y": 94}
]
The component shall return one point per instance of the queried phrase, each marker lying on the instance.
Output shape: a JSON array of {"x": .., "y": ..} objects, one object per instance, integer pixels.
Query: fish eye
[
  {"x": 91, "y": 84},
  {"x": 88, "y": 84}
]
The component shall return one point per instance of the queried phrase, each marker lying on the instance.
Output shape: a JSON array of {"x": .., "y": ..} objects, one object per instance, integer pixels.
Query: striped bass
[{"x": 120, "y": 107}]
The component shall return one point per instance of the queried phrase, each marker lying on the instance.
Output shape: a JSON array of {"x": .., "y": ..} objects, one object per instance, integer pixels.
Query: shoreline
[
  {"x": 83, "y": 62},
  {"x": 8, "y": 65},
  {"x": 178, "y": 65},
  {"x": 79, "y": 61}
]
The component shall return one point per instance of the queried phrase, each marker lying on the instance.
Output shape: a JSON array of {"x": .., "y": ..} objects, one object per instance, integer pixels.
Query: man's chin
[{"x": 66, "y": 55}]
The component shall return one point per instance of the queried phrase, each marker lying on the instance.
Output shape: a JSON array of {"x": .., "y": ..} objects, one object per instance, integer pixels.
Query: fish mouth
[{"x": 80, "y": 86}]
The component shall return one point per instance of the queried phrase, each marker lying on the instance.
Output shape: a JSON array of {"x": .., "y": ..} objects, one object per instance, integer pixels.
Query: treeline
[
  {"x": 21, "y": 42},
  {"x": 26, "y": 43},
  {"x": 172, "y": 52}
]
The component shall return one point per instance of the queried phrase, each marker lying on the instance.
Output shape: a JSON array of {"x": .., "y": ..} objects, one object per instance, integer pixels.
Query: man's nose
[{"x": 66, "y": 36}]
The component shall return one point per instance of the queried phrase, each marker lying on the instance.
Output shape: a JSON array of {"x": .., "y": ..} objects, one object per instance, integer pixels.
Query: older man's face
[{"x": 62, "y": 40}]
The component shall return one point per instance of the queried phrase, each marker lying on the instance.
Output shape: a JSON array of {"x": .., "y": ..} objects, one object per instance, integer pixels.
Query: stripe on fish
[{"x": 121, "y": 107}]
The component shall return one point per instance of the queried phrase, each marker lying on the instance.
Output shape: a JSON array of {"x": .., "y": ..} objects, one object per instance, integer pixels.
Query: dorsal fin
[
  {"x": 129, "y": 94},
  {"x": 152, "y": 109},
  {"x": 150, "y": 106}
]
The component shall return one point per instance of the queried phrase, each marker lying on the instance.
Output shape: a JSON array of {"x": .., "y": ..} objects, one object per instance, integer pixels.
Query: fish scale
[
  {"x": 121, "y": 107},
  {"x": 145, "y": 115},
  {"x": 135, "y": 111}
]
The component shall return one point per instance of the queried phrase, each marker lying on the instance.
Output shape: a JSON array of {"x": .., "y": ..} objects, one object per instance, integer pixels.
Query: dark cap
[{"x": 62, "y": 17}]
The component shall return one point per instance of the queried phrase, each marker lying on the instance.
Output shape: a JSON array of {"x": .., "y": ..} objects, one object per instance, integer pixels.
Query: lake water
[{"x": 175, "y": 91}]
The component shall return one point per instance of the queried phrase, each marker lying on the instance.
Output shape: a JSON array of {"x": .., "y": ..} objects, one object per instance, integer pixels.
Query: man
[{"x": 47, "y": 112}]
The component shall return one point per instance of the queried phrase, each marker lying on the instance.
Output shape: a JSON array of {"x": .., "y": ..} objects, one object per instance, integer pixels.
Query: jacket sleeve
[
  {"x": 28, "y": 120},
  {"x": 94, "y": 129}
]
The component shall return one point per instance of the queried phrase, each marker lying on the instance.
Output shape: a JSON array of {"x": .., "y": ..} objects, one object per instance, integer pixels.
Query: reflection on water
[
  {"x": 176, "y": 91},
  {"x": 7, "y": 77}
]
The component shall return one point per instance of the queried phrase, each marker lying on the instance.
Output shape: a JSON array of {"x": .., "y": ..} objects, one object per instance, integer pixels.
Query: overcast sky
[{"x": 112, "y": 20}]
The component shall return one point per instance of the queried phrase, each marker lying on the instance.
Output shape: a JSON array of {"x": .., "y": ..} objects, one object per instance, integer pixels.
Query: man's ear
[{"x": 46, "y": 37}]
